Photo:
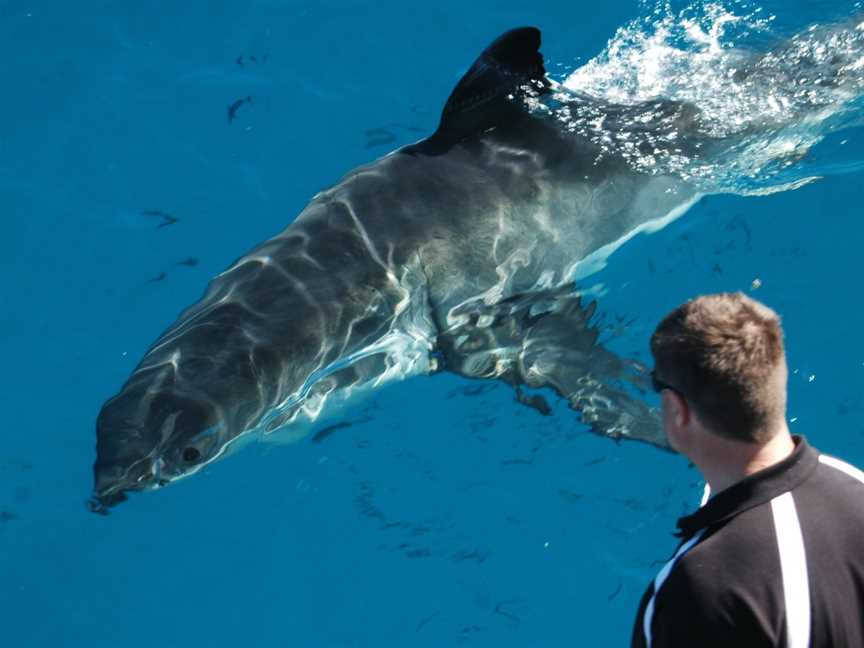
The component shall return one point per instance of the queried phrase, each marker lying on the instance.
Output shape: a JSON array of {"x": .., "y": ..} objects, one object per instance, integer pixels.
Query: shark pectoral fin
[
  {"x": 616, "y": 414},
  {"x": 607, "y": 409},
  {"x": 562, "y": 351},
  {"x": 488, "y": 94},
  {"x": 546, "y": 340}
]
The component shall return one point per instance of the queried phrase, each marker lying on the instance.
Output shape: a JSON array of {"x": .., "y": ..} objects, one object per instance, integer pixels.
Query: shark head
[{"x": 148, "y": 436}]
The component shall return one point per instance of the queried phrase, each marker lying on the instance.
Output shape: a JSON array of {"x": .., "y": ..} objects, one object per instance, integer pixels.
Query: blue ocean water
[{"x": 451, "y": 514}]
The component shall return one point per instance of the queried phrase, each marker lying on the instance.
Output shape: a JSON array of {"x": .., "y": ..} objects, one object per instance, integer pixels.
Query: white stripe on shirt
[
  {"x": 793, "y": 565},
  {"x": 660, "y": 579},
  {"x": 850, "y": 470},
  {"x": 706, "y": 495}
]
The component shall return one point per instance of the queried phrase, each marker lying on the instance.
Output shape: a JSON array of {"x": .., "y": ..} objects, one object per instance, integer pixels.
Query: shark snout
[{"x": 114, "y": 481}]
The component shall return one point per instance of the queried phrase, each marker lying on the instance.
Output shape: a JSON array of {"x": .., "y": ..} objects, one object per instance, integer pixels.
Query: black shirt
[{"x": 774, "y": 560}]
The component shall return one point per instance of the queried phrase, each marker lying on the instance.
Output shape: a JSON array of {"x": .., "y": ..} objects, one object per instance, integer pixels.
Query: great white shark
[{"x": 462, "y": 252}]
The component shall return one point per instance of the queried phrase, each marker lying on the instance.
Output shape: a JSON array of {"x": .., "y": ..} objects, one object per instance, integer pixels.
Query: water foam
[{"x": 717, "y": 95}]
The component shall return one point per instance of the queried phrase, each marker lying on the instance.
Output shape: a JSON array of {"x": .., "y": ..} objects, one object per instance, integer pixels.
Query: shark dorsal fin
[{"x": 488, "y": 94}]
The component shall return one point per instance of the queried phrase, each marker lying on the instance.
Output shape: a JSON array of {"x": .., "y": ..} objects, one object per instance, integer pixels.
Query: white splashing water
[{"x": 713, "y": 94}]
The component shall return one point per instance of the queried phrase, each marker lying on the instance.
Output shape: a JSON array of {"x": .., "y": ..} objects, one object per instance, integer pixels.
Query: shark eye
[{"x": 191, "y": 455}]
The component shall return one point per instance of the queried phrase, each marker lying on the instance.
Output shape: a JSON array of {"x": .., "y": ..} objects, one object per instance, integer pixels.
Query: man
[{"x": 776, "y": 556}]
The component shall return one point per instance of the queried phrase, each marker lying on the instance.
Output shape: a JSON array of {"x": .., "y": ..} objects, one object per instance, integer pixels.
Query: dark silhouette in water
[
  {"x": 167, "y": 219},
  {"x": 7, "y": 516},
  {"x": 191, "y": 262},
  {"x": 235, "y": 106},
  {"x": 323, "y": 433}
]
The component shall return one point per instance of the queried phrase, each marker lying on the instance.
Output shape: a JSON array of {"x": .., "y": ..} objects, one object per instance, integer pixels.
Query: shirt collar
[{"x": 754, "y": 490}]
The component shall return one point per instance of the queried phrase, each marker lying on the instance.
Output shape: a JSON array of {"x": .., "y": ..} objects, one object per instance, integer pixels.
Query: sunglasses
[{"x": 659, "y": 385}]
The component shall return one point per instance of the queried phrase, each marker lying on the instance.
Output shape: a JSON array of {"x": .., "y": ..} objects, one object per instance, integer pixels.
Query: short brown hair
[{"x": 725, "y": 354}]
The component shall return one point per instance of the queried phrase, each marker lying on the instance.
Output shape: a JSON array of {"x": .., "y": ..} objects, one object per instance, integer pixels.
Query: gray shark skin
[{"x": 460, "y": 252}]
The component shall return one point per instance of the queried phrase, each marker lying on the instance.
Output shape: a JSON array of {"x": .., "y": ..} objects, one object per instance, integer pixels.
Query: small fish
[
  {"x": 381, "y": 141},
  {"x": 251, "y": 59},
  {"x": 385, "y": 135},
  {"x": 190, "y": 262},
  {"x": 327, "y": 431},
  {"x": 7, "y": 516},
  {"x": 234, "y": 107},
  {"x": 167, "y": 219},
  {"x": 570, "y": 496},
  {"x": 8, "y": 465},
  {"x": 472, "y": 390},
  {"x": 502, "y": 611},
  {"x": 425, "y": 621}
]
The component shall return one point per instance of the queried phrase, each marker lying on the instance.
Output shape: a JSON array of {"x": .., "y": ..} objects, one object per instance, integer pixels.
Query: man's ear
[{"x": 678, "y": 407}]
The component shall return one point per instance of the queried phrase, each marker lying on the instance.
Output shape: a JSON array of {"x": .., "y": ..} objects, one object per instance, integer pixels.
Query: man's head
[{"x": 720, "y": 359}]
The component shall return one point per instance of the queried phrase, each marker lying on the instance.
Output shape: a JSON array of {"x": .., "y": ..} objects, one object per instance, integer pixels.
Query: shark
[{"x": 467, "y": 251}]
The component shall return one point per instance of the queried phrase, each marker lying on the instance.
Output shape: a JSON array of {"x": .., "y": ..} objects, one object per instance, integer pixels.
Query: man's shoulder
[
  {"x": 830, "y": 507},
  {"x": 724, "y": 584},
  {"x": 751, "y": 528},
  {"x": 833, "y": 495},
  {"x": 735, "y": 555},
  {"x": 835, "y": 472}
]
